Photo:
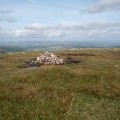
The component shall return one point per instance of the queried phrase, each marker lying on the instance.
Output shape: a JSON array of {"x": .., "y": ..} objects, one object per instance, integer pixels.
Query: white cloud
[
  {"x": 74, "y": 30},
  {"x": 105, "y": 6}
]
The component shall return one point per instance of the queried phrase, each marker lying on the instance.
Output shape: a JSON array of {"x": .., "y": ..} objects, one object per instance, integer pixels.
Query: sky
[{"x": 60, "y": 20}]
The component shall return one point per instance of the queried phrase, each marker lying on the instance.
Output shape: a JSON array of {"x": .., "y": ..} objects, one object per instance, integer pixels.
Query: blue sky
[{"x": 63, "y": 19}]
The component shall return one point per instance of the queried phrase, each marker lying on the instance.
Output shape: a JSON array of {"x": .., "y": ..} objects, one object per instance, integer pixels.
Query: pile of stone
[{"x": 50, "y": 59}]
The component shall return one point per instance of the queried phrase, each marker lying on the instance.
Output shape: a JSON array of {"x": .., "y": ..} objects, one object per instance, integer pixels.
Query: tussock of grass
[{"x": 88, "y": 90}]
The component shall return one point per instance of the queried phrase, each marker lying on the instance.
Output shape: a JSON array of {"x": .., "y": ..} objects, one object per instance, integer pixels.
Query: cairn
[{"x": 50, "y": 59}]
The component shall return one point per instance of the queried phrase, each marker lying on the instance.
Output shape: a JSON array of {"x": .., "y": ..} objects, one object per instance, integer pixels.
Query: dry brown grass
[{"x": 88, "y": 90}]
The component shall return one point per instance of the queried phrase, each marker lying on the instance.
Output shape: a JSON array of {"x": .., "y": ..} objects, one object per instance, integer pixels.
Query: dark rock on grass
[
  {"x": 34, "y": 64},
  {"x": 82, "y": 54},
  {"x": 30, "y": 63},
  {"x": 70, "y": 60}
]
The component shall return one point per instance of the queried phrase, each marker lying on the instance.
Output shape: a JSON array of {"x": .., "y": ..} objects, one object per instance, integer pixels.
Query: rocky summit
[{"x": 49, "y": 59}]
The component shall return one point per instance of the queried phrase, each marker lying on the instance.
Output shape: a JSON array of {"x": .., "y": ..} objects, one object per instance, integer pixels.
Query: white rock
[{"x": 50, "y": 58}]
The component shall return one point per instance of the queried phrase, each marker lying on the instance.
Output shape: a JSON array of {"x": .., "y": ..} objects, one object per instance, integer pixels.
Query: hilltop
[{"x": 86, "y": 90}]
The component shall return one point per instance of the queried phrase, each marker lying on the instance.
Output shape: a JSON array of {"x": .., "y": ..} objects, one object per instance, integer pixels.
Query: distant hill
[
  {"x": 6, "y": 49},
  {"x": 18, "y": 46}
]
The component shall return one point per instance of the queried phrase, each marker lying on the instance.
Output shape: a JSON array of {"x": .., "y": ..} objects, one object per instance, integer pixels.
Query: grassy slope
[{"x": 89, "y": 90}]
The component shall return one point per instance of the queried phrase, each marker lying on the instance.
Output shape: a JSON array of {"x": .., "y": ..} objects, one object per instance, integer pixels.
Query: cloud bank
[
  {"x": 69, "y": 30},
  {"x": 105, "y": 6}
]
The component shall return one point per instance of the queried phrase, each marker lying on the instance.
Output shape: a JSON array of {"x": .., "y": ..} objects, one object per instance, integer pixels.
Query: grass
[{"x": 89, "y": 90}]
